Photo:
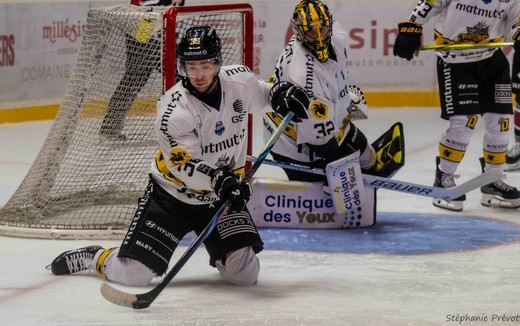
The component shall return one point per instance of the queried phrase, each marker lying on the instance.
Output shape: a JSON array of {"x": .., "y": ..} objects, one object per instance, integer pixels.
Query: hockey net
[{"x": 93, "y": 166}]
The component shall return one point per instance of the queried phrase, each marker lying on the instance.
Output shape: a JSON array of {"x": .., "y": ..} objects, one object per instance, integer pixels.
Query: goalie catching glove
[
  {"x": 285, "y": 97},
  {"x": 227, "y": 187},
  {"x": 358, "y": 105},
  {"x": 408, "y": 40}
]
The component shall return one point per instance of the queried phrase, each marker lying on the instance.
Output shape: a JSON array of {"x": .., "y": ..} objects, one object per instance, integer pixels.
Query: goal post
[{"x": 93, "y": 166}]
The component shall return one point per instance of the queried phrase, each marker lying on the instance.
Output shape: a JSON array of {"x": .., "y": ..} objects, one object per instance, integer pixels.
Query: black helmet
[
  {"x": 312, "y": 25},
  {"x": 198, "y": 43}
]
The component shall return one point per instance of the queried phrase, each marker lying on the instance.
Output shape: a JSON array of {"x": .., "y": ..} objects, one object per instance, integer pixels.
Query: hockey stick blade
[
  {"x": 144, "y": 300},
  {"x": 120, "y": 298},
  {"x": 406, "y": 187},
  {"x": 482, "y": 180}
]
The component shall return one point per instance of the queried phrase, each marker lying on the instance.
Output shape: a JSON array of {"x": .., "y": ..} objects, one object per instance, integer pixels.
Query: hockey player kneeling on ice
[{"x": 202, "y": 153}]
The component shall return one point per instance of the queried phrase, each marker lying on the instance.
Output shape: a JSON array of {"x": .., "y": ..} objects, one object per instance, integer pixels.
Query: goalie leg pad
[
  {"x": 354, "y": 141},
  {"x": 346, "y": 182},
  {"x": 390, "y": 152}
]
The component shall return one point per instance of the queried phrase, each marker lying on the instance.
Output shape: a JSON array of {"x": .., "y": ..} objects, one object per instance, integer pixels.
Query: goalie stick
[
  {"x": 141, "y": 301},
  {"x": 374, "y": 181}
]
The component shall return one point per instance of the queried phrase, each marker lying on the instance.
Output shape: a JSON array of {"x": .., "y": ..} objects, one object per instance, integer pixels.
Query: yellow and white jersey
[
  {"x": 327, "y": 86},
  {"x": 469, "y": 21},
  {"x": 195, "y": 137}
]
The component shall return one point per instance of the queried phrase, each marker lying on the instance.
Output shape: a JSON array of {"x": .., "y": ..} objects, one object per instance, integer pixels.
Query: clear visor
[{"x": 196, "y": 68}]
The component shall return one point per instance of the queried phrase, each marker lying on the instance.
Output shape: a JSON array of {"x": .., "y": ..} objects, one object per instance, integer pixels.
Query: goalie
[{"x": 316, "y": 60}]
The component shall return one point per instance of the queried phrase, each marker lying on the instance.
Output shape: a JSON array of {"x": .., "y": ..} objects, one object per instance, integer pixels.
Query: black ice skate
[
  {"x": 499, "y": 194},
  {"x": 444, "y": 180},
  {"x": 74, "y": 261},
  {"x": 513, "y": 158}
]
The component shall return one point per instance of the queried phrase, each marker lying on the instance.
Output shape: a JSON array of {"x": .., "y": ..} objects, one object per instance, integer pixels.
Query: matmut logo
[
  {"x": 225, "y": 144},
  {"x": 476, "y": 10}
]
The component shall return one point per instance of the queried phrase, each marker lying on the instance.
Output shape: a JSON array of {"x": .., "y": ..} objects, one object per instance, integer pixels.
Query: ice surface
[{"x": 418, "y": 266}]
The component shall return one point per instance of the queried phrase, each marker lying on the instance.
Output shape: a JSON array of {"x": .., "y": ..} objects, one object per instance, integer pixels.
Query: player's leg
[
  {"x": 459, "y": 105},
  {"x": 146, "y": 250},
  {"x": 233, "y": 246},
  {"x": 513, "y": 155},
  {"x": 496, "y": 108}
]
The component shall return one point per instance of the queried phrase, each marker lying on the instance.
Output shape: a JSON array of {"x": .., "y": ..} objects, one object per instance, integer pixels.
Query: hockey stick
[
  {"x": 407, "y": 187},
  {"x": 464, "y": 46},
  {"x": 141, "y": 301}
]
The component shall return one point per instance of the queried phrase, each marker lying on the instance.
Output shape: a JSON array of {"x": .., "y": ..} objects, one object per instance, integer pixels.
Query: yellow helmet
[{"x": 312, "y": 25}]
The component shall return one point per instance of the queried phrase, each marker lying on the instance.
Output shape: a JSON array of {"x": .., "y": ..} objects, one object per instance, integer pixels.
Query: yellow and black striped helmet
[{"x": 312, "y": 26}]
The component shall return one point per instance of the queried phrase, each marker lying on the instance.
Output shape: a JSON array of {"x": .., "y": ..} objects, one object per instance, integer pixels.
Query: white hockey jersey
[
  {"x": 327, "y": 81},
  {"x": 195, "y": 138},
  {"x": 469, "y": 21}
]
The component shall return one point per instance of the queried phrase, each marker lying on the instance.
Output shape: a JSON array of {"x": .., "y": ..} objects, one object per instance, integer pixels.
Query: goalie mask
[
  {"x": 199, "y": 44},
  {"x": 312, "y": 26}
]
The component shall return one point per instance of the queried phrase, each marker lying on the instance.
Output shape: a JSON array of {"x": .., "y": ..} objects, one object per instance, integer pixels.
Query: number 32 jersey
[{"x": 327, "y": 86}]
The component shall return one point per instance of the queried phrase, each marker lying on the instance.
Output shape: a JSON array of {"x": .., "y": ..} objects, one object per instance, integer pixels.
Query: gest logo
[
  {"x": 179, "y": 156},
  {"x": 319, "y": 110},
  {"x": 237, "y": 118}
]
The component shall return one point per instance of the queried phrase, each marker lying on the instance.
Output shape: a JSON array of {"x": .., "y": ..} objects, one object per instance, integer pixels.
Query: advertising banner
[{"x": 39, "y": 43}]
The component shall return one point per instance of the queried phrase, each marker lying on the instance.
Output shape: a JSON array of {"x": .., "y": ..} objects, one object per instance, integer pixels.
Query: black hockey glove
[
  {"x": 285, "y": 97},
  {"x": 227, "y": 187},
  {"x": 515, "y": 72},
  {"x": 408, "y": 40}
]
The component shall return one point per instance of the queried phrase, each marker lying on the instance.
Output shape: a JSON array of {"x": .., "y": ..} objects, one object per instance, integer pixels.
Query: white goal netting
[{"x": 93, "y": 166}]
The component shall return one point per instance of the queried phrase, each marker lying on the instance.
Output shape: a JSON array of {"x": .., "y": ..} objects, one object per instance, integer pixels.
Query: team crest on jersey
[
  {"x": 225, "y": 160},
  {"x": 219, "y": 128},
  {"x": 179, "y": 156},
  {"x": 319, "y": 110},
  {"x": 476, "y": 33}
]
